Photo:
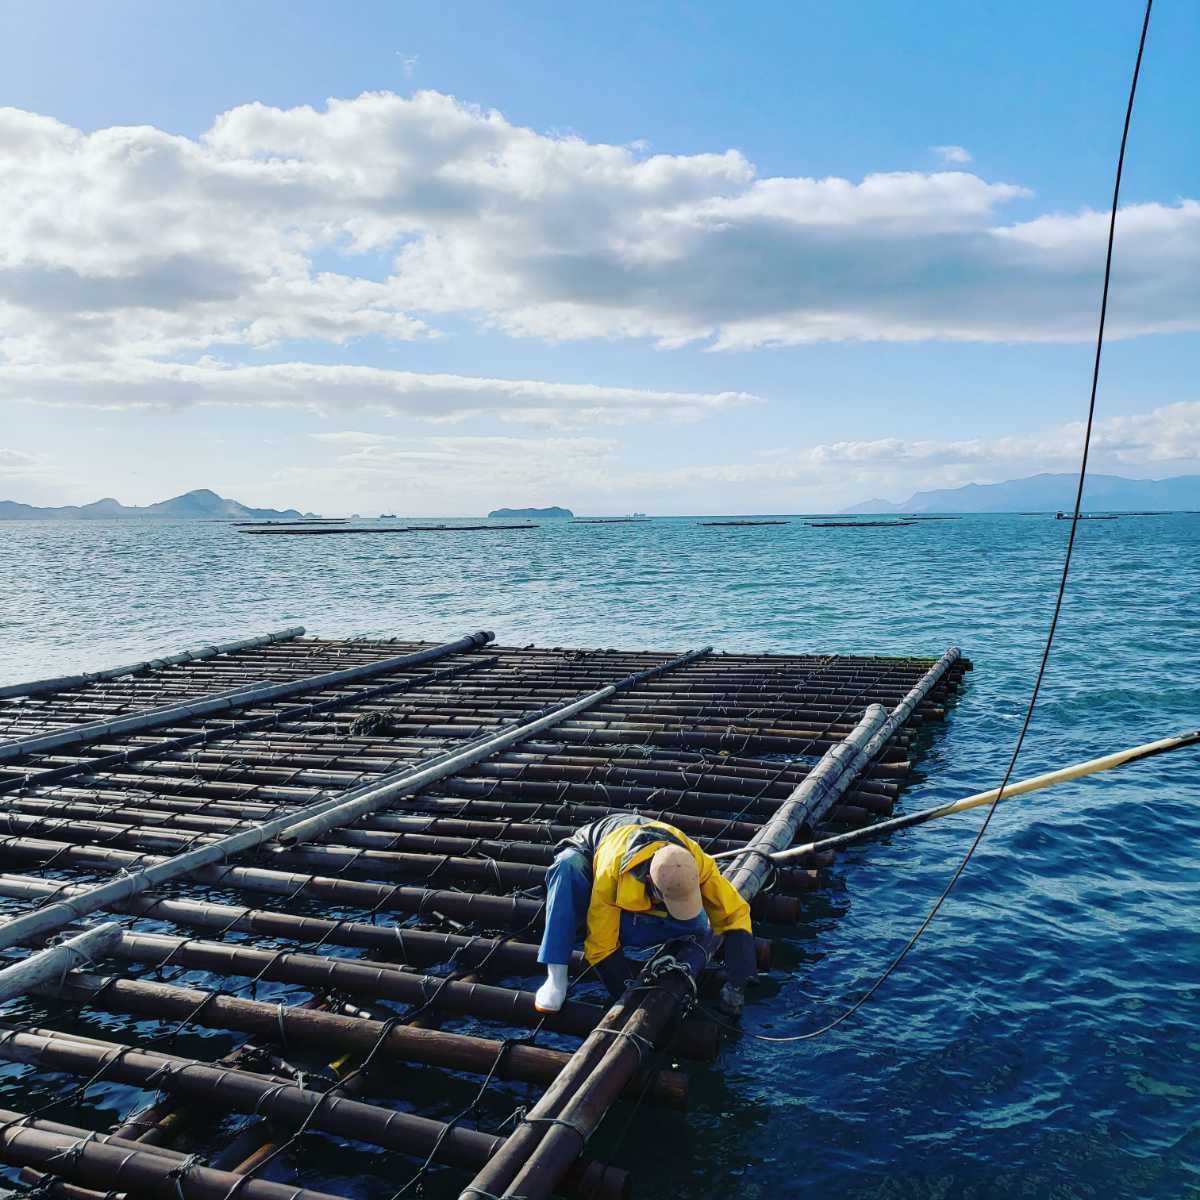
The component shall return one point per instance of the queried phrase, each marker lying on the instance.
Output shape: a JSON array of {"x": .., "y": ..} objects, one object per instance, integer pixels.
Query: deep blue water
[{"x": 1044, "y": 1039}]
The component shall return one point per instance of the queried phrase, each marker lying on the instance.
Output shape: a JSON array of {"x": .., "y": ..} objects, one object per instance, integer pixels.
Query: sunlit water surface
[{"x": 1043, "y": 1041}]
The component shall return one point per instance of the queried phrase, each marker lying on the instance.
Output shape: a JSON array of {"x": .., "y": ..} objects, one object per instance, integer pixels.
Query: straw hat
[{"x": 675, "y": 876}]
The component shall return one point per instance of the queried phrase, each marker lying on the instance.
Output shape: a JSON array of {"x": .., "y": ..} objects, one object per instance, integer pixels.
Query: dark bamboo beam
[
  {"x": 224, "y": 1087},
  {"x": 86, "y": 1158},
  {"x": 325, "y": 1031}
]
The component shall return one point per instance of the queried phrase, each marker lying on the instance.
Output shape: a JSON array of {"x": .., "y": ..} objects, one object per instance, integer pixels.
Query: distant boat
[
  {"x": 387, "y": 516},
  {"x": 1062, "y": 516}
]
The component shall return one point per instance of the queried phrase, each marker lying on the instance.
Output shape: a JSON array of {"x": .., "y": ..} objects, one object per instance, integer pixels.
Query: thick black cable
[{"x": 891, "y": 968}]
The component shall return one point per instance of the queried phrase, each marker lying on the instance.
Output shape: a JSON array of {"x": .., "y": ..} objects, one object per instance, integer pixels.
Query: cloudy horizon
[{"x": 404, "y": 299}]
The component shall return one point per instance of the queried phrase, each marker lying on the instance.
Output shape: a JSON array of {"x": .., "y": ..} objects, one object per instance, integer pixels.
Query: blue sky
[{"x": 836, "y": 311}]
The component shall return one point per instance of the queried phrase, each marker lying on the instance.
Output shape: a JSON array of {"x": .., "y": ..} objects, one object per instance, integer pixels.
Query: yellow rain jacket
[{"x": 618, "y": 846}]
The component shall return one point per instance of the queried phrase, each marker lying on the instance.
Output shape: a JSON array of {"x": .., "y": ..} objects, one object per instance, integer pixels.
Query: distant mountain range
[
  {"x": 1049, "y": 493},
  {"x": 200, "y": 505}
]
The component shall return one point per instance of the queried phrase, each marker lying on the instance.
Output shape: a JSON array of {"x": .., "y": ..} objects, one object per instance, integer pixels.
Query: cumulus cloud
[
  {"x": 952, "y": 154},
  {"x": 337, "y": 388},
  {"x": 132, "y": 243}
]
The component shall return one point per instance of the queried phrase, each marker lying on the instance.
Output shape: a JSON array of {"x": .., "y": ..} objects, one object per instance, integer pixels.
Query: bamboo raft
[
  {"x": 326, "y": 530},
  {"x": 272, "y": 897},
  {"x": 860, "y": 524}
]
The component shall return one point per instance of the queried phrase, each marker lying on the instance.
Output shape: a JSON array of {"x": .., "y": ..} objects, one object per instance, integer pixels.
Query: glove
[
  {"x": 731, "y": 1001},
  {"x": 614, "y": 972},
  {"x": 741, "y": 962}
]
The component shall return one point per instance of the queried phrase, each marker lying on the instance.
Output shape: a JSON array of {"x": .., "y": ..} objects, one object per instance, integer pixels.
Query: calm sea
[{"x": 1044, "y": 1040}]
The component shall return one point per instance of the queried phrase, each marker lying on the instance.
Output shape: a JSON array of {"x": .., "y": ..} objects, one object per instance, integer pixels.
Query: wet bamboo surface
[{"x": 372, "y": 988}]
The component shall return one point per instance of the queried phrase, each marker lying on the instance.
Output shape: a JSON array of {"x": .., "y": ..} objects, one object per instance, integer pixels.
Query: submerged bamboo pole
[
  {"x": 114, "y": 1167},
  {"x": 226, "y": 1087},
  {"x": 329, "y": 1031}
]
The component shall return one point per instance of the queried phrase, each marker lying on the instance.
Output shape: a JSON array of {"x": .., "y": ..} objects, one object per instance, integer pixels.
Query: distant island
[
  {"x": 556, "y": 513},
  {"x": 200, "y": 505},
  {"x": 1048, "y": 493}
]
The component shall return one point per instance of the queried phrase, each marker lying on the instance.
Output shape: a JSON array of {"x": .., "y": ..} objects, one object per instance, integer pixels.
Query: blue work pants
[{"x": 568, "y": 892}]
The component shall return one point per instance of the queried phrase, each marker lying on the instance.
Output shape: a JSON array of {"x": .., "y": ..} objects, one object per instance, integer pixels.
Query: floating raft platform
[
  {"x": 860, "y": 524},
  {"x": 739, "y": 524},
  {"x": 324, "y": 530},
  {"x": 283, "y": 894}
]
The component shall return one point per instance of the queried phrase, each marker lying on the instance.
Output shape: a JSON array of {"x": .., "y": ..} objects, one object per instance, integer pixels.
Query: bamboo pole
[
  {"x": 329, "y": 1031},
  {"x": 245, "y": 1091},
  {"x": 226, "y": 1087},
  {"x": 309, "y": 822},
  {"x": 416, "y": 947},
  {"x": 87, "y": 766},
  {"x": 376, "y": 797},
  {"x": 1036, "y": 783},
  {"x": 89, "y": 1159},
  {"x": 59, "y": 683},
  {"x": 828, "y": 780},
  {"x": 384, "y": 981},
  {"x": 243, "y": 697},
  {"x": 38, "y": 969}
]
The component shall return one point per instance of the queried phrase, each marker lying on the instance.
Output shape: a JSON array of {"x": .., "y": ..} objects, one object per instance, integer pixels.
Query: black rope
[{"x": 890, "y": 969}]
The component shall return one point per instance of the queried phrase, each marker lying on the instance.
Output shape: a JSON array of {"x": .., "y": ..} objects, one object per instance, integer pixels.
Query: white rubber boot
[{"x": 550, "y": 996}]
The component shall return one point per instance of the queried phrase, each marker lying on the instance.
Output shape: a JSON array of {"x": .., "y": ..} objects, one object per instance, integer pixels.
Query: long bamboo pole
[
  {"x": 60, "y": 683},
  {"x": 52, "y": 963},
  {"x": 106, "y": 763},
  {"x": 825, "y": 784},
  {"x": 329, "y": 1031},
  {"x": 311, "y": 821},
  {"x": 376, "y": 797},
  {"x": 259, "y": 693},
  {"x": 90, "y": 1159},
  {"x": 1092, "y": 766}
]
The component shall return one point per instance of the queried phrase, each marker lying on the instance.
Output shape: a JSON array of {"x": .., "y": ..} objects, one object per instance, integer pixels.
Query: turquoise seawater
[{"x": 1044, "y": 1039}]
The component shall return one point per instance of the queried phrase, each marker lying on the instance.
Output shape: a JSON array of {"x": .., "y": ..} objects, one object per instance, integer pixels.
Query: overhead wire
[{"x": 935, "y": 908}]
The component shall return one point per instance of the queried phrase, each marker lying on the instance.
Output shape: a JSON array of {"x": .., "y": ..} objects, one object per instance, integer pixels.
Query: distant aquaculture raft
[
  {"x": 739, "y": 524},
  {"x": 324, "y": 530},
  {"x": 859, "y": 524},
  {"x": 371, "y": 822}
]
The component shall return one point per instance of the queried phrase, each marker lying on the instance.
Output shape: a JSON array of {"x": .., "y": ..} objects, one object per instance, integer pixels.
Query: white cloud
[
  {"x": 457, "y": 474},
  {"x": 952, "y": 154},
  {"x": 15, "y": 464},
  {"x": 1166, "y": 439},
  {"x": 591, "y": 471},
  {"x": 337, "y": 388},
  {"x": 134, "y": 244}
]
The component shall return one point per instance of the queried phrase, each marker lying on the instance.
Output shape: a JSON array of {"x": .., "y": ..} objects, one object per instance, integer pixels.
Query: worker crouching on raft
[{"x": 637, "y": 883}]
